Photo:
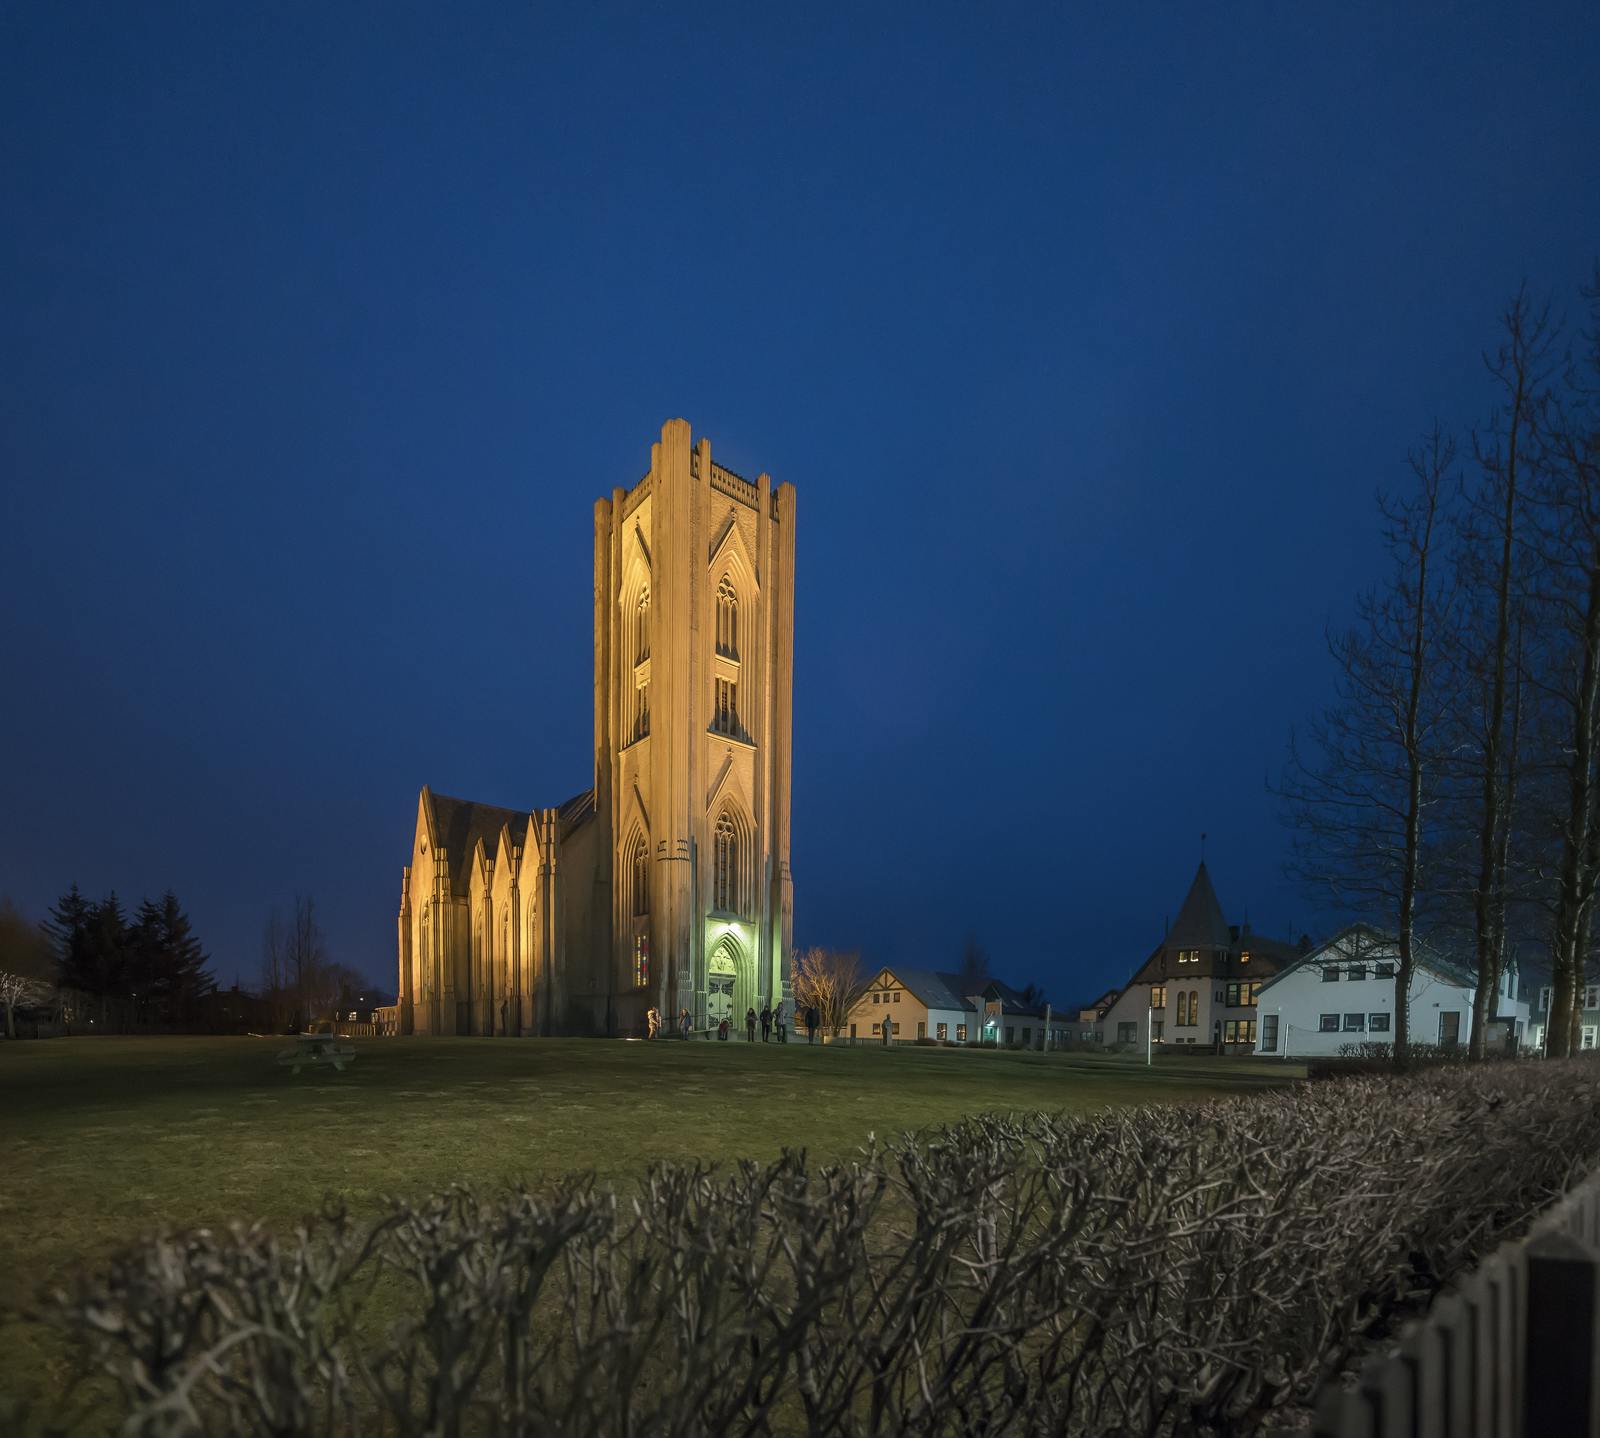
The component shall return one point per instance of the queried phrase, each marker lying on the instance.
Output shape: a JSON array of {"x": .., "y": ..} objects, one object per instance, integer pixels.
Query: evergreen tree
[
  {"x": 183, "y": 977},
  {"x": 67, "y": 932}
]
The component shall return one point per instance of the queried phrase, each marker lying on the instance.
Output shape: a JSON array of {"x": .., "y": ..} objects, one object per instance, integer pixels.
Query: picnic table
[{"x": 316, "y": 1050}]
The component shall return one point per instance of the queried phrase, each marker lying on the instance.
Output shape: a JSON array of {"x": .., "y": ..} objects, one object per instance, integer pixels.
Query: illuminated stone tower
[{"x": 693, "y": 664}]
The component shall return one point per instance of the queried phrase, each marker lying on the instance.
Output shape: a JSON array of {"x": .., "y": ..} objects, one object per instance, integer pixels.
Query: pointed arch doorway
[{"x": 729, "y": 987}]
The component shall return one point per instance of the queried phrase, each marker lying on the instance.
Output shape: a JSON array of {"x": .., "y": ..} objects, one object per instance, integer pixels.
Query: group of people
[{"x": 773, "y": 1021}]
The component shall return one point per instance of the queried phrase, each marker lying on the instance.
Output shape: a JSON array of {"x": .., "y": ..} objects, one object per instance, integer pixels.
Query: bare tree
[
  {"x": 315, "y": 985},
  {"x": 1486, "y": 649},
  {"x": 974, "y": 966},
  {"x": 275, "y": 985},
  {"x": 26, "y": 965},
  {"x": 14, "y": 988},
  {"x": 1358, "y": 799},
  {"x": 827, "y": 980},
  {"x": 1566, "y": 433}
]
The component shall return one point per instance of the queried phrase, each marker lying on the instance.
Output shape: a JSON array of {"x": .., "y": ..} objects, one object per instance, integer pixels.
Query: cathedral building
[{"x": 666, "y": 883}]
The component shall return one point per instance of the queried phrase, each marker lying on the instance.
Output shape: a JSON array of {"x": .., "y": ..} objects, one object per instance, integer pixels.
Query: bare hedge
[{"x": 1175, "y": 1270}]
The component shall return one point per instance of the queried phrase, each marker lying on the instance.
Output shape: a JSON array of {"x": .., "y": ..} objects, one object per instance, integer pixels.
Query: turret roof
[{"x": 1200, "y": 924}]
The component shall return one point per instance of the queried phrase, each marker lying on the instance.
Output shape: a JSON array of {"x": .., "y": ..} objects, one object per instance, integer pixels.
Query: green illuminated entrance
[{"x": 719, "y": 987}]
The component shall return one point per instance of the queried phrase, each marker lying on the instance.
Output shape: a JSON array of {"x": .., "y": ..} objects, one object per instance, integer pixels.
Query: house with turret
[{"x": 1201, "y": 983}]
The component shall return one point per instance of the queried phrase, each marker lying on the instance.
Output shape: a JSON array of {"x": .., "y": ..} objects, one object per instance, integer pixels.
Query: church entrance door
[{"x": 719, "y": 989}]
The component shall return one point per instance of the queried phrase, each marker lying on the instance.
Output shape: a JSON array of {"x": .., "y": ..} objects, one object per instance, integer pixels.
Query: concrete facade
[{"x": 668, "y": 882}]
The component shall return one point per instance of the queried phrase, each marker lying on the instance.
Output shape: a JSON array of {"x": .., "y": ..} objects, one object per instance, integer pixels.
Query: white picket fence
[{"x": 1512, "y": 1352}]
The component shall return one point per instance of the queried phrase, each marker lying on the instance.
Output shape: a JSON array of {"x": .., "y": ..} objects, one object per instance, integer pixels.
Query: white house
[
  {"x": 1588, "y": 1021},
  {"x": 1343, "y": 993}
]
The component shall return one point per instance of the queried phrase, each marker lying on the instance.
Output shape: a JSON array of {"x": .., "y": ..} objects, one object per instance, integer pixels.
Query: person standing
[
  {"x": 813, "y": 1019},
  {"x": 778, "y": 1022},
  {"x": 683, "y": 1024},
  {"x": 652, "y": 1021},
  {"x": 750, "y": 1025},
  {"x": 766, "y": 1023}
]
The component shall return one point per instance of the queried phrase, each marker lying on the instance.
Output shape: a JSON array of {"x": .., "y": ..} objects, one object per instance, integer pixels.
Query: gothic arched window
[
  {"x": 639, "y": 876},
  {"x": 727, "y": 619},
  {"x": 636, "y": 642},
  {"x": 726, "y": 883},
  {"x": 641, "y": 647}
]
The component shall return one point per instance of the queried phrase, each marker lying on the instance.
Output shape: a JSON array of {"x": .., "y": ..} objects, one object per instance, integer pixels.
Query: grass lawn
[{"x": 105, "y": 1139}]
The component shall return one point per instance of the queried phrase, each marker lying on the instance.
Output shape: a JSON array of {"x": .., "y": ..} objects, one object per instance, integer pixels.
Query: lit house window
[{"x": 1158, "y": 996}]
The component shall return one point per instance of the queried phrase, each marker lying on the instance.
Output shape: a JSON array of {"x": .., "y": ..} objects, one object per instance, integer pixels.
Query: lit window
[
  {"x": 1158, "y": 996},
  {"x": 941, "y": 1031},
  {"x": 1244, "y": 958},
  {"x": 961, "y": 1033},
  {"x": 641, "y": 962}
]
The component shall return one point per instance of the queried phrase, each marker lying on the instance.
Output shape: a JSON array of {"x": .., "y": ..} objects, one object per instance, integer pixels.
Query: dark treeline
[
  {"x": 121, "y": 972},
  {"x": 1451, "y": 792}
]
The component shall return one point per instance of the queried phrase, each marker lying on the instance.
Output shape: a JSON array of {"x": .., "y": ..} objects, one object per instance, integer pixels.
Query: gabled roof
[
  {"x": 936, "y": 990},
  {"x": 460, "y": 823},
  {"x": 577, "y": 810},
  {"x": 1379, "y": 946},
  {"x": 1200, "y": 924},
  {"x": 1012, "y": 1000}
]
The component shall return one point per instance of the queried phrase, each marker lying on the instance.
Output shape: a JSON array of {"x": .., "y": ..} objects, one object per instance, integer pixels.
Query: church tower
[{"x": 693, "y": 671}]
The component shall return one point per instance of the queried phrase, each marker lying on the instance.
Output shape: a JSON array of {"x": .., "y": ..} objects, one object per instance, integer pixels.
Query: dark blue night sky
[{"x": 1085, "y": 334}]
